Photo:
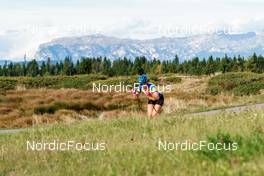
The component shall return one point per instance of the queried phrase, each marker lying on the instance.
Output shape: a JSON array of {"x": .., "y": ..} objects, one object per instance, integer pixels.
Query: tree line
[{"x": 124, "y": 66}]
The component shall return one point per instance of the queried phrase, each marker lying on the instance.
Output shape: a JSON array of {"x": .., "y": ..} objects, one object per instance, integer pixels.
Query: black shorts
[{"x": 160, "y": 101}]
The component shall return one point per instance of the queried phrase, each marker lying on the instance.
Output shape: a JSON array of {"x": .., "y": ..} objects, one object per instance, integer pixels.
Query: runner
[{"x": 155, "y": 98}]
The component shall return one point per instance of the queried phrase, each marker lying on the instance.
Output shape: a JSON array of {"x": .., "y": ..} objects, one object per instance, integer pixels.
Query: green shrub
[
  {"x": 214, "y": 90},
  {"x": 247, "y": 147},
  {"x": 39, "y": 82},
  {"x": 249, "y": 89},
  {"x": 114, "y": 81},
  {"x": 45, "y": 110},
  {"x": 237, "y": 83},
  {"x": 153, "y": 78},
  {"x": 172, "y": 79},
  {"x": 223, "y": 138},
  {"x": 51, "y": 109},
  {"x": 8, "y": 83},
  {"x": 78, "y": 82}
]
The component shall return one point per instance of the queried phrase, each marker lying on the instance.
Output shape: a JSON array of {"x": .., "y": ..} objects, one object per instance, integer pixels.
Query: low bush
[
  {"x": 78, "y": 82},
  {"x": 114, "y": 81},
  {"x": 39, "y": 82},
  {"x": 249, "y": 89},
  {"x": 172, "y": 80},
  {"x": 77, "y": 106},
  {"x": 214, "y": 90},
  {"x": 238, "y": 83},
  {"x": 246, "y": 147},
  {"x": 8, "y": 83}
]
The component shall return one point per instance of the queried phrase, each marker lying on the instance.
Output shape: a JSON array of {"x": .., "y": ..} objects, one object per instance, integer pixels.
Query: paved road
[
  {"x": 206, "y": 113},
  {"x": 232, "y": 109},
  {"x": 11, "y": 131}
]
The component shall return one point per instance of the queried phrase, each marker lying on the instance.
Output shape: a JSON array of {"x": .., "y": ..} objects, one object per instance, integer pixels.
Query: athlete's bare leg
[
  {"x": 156, "y": 110},
  {"x": 150, "y": 110}
]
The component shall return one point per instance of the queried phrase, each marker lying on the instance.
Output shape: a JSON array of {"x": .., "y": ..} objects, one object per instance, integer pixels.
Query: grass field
[
  {"x": 26, "y": 102},
  {"x": 131, "y": 147},
  {"x": 121, "y": 140}
]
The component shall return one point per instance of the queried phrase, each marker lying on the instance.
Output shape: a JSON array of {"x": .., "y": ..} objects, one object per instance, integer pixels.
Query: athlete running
[{"x": 155, "y": 98}]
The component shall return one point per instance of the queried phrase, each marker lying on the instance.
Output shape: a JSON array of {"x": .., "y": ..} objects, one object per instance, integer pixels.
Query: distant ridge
[{"x": 164, "y": 48}]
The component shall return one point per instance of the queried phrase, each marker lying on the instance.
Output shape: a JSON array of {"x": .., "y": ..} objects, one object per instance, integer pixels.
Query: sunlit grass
[{"x": 131, "y": 147}]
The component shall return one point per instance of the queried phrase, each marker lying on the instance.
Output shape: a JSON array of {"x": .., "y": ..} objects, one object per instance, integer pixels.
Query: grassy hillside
[
  {"x": 132, "y": 147},
  {"x": 25, "y": 101},
  {"x": 28, "y": 101},
  {"x": 80, "y": 82},
  {"x": 72, "y": 112},
  {"x": 77, "y": 82},
  {"x": 237, "y": 83}
]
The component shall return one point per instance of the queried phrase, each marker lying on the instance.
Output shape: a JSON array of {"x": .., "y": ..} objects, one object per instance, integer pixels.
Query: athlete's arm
[
  {"x": 152, "y": 92},
  {"x": 153, "y": 96},
  {"x": 135, "y": 93}
]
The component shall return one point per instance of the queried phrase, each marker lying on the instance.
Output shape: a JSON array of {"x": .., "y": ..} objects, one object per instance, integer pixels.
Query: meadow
[
  {"x": 131, "y": 146},
  {"x": 64, "y": 108},
  {"x": 27, "y": 101}
]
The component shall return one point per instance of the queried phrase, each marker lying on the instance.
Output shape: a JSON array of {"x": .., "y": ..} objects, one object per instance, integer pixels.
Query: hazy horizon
[{"x": 27, "y": 24}]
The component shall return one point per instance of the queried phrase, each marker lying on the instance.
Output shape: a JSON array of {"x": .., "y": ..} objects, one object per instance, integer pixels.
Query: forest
[{"x": 126, "y": 67}]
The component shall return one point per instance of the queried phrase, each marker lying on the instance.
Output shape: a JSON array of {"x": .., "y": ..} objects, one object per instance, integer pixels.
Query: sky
[{"x": 24, "y": 25}]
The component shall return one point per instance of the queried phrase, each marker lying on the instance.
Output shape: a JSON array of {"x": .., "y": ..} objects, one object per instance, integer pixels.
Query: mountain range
[{"x": 163, "y": 48}]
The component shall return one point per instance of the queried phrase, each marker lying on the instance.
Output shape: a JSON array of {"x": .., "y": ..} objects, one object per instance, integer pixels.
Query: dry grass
[
  {"x": 191, "y": 95},
  {"x": 18, "y": 107}
]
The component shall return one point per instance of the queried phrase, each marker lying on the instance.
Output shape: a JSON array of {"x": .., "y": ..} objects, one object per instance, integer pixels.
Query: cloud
[
  {"x": 26, "y": 24},
  {"x": 136, "y": 28},
  {"x": 245, "y": 25},
  {"x": 11, "y": 42},
  {"x": 14, "y": 43}
]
